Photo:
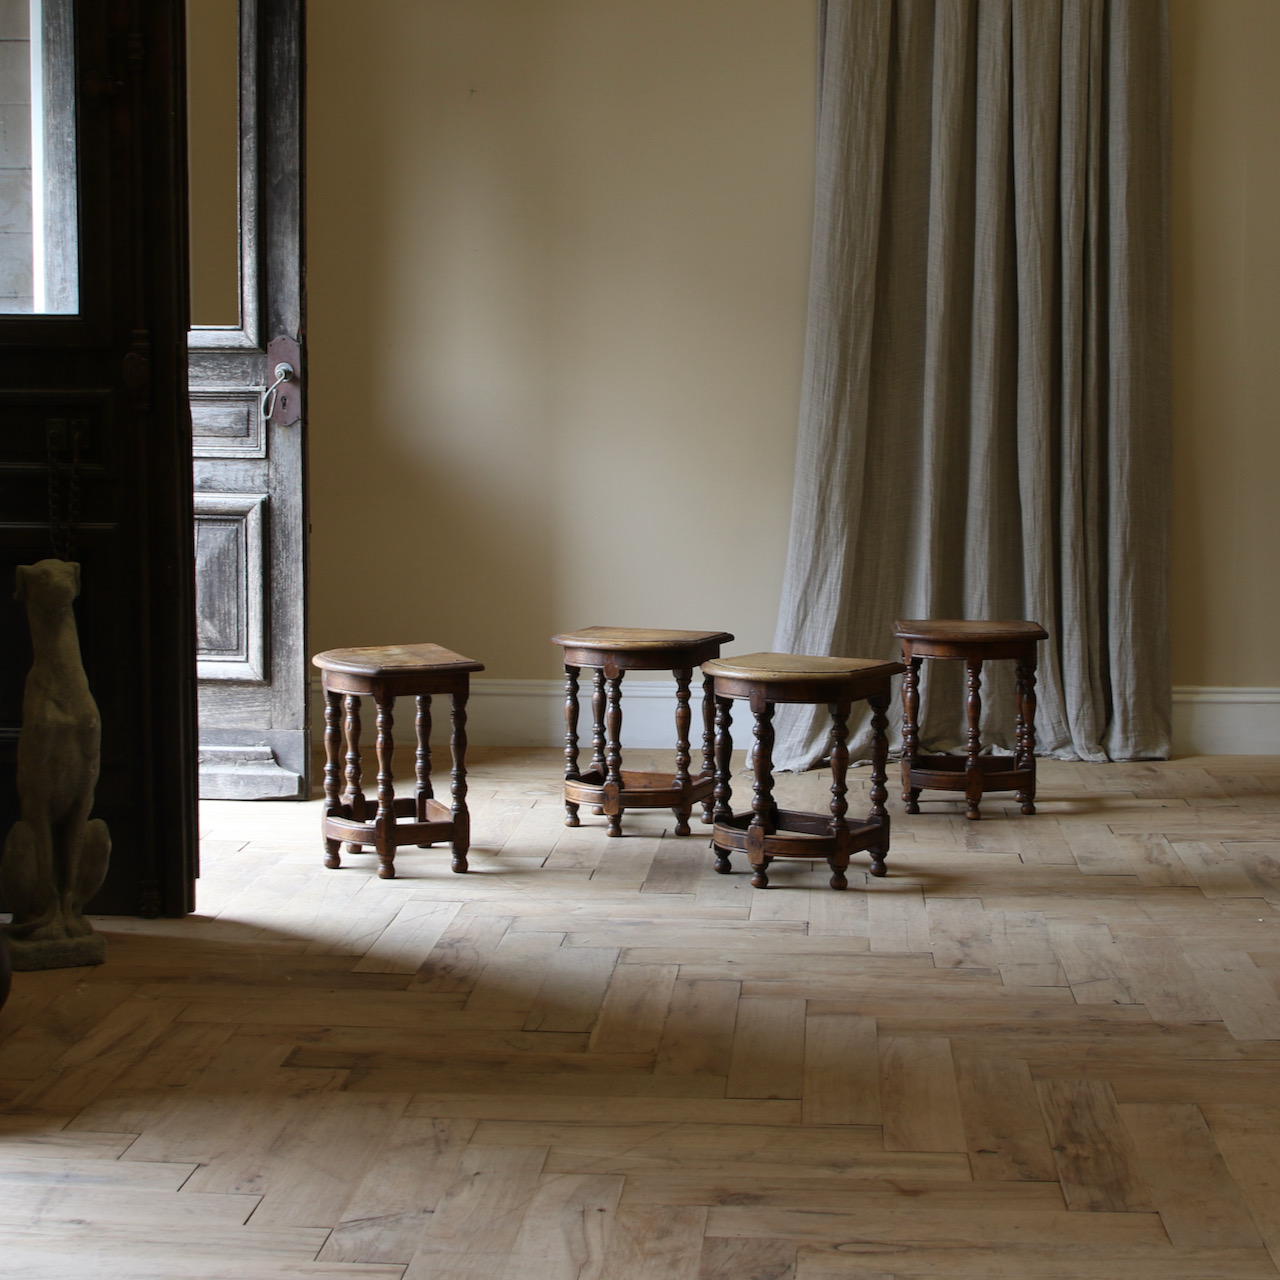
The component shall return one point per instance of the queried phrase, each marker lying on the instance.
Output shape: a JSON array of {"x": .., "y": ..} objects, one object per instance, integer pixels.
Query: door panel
[
  {"x": 230, "y": 587},
  {"x": 248, "y": 447}
]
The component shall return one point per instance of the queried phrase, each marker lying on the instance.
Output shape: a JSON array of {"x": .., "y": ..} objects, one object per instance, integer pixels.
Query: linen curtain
[{"x": 984, "y": 428}]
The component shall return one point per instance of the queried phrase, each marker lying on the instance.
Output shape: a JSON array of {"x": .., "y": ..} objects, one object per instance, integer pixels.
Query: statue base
[{"x": 56, "y": 953}]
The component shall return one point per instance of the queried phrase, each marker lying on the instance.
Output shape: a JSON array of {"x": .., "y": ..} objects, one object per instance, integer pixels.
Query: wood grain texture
[{"x": 993, "y": 1063}]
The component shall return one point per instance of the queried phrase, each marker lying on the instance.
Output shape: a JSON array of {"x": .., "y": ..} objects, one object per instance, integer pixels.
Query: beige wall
[
  {"x": 558, "y": 268},
  {"x": 1226, "y": 342},
  {"x": 558, "y": 260}
]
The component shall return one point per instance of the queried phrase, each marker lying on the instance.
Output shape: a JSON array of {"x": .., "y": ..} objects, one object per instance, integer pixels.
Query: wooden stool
[
  {"x": 606, "y": 786},
  {"x": 767, "y": 832},
  {"x": 385, "y": 673},
  {"x": 973, "y": 642}
]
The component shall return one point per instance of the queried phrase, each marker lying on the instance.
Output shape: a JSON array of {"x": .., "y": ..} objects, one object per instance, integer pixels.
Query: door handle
[{"x": 284, "y": 371}]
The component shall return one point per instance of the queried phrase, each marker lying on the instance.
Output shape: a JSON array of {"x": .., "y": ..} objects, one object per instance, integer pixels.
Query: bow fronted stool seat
[
  {"x": 973, "y": 642},
  {"x": 605, "y": 786},
  {"x": 385, "y": 673},
  {"x": 765, "y": 832}
]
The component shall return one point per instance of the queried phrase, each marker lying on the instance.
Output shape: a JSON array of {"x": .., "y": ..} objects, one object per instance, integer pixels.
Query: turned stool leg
[
  {"x": 708, "y": 742},
  {"x": 422, "y": 760},
  {"x": 910, "y": 728},
  {"x": 571, "y": 773},
  {"x": 385, "y": 823},
  {"x": 332, "y": 774},
  {"x": 723, "y": 788},
  {"x": 879, "y": 788},
  {"x": 1026, "y": 676},
  {"x": 973, "y": 762},
  {"x": 764, "y": 811},
  {"x": 838, "y": 858},
  {"x": 353, "y": 795},
  {"x": 613, "y": 754},
  {"x": 597, "y": 729},
  {"x": 458, "y": 786},
  {"x": 684, "y": 719}
]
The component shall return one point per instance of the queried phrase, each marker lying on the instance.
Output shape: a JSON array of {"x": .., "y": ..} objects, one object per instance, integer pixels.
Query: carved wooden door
[
  {"x": 94, "y": 445},
  {"x": 247, "y": 380}
]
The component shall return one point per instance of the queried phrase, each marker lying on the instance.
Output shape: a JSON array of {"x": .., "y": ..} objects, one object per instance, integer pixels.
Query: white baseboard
[
  {"x": 530, "y": 713},
  {"x": 1232, "y": 720}
]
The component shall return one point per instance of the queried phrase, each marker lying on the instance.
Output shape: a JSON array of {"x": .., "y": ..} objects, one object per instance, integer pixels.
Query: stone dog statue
[{"x": 55, "y": 857}]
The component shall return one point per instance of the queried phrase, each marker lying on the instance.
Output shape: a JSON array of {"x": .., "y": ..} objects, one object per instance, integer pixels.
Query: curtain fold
[{"x": 984, "y": 424}]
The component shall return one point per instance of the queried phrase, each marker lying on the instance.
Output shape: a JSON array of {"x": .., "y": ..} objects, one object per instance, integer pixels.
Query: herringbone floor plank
[{"x": 1044, "y": 1047}]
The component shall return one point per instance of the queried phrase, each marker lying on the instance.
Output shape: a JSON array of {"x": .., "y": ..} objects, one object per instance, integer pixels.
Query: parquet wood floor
[{"x": 1045, "y": 1048}]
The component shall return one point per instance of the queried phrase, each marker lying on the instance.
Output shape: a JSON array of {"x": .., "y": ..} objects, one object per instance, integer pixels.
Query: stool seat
[
  {"x": 378, "y": 661},
  {"x": 794, "y": 666},
  {"x": 965, "y": 630},
  {"x": 765, "y": 832},
  {"x": 637, "y": 639},
  {"x": 972, "y": 641},
  {"x": 385, "y": 672},
  {"x": 604, "y": 785}
]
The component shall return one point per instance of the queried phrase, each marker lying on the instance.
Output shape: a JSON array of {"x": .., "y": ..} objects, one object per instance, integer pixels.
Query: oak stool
[
  {"x": 384, "y": 673},
  {"x": 606, "y": 786},
  {"x": 766, "y": 832},
  {"x": 972, "y": 642}
]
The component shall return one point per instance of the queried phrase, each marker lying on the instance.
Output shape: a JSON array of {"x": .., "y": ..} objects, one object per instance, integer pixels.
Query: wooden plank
[
  {"x": 903, "y": 1224},
  {"x": 626, "y": 864},
  {"x": 1096, "y": 850},
  {"x": 648, "y": 1242},
  {"x": 404, "y": 945},
  {"x": 678, "y": 865},
  {"x": 1244, "y": 998},
  {"x": 737, "y": 1259},
  {"x": 698, "y": 1036},
  {"x": 310, "y": 1173},
  {"x": 478, "y": 1219},
  {"x": 239, "y": 1104},
  {"x": 30, "y": 1050},
  {"x": 634, "y": 1011},
  {"x": 841, "y": 1070},
  {"x": 513, "y": 972},
  {"x": 838, "y": 915},
  {"x": 1097, "y": 1164},
  {"x": 1154, "y": 860},
  {"x": 897, "y": 921},
  {"x": 390, "y": 1209},
  {"x": 573, "y": 985},
  {"x": 790, "y": 1189},
  {"x": 960, "y": 933},
  {"x": 33, "y": 1204},
  {"x": 1164, "y": 982},
  {"x": 919, "y": 1102},
  {"x": 598, "y": 1110},
  {"x": 1199, "y": 1204},
  {"x": 1214, "y": 870},
  {"x": 1003, "y": 1128},
  {"x": 767, "y": 1059},
  {"x": 26, "y": 1169},
  {"x": 1057, "y": 1261},
  {"x": 1245, "y": 1134},
  {"x": 460, "y": 955},
  {"x": 566, "y": 1230},
  {"x": 1093, "y": 963},
  {"x": 1024, "y": 952}
]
